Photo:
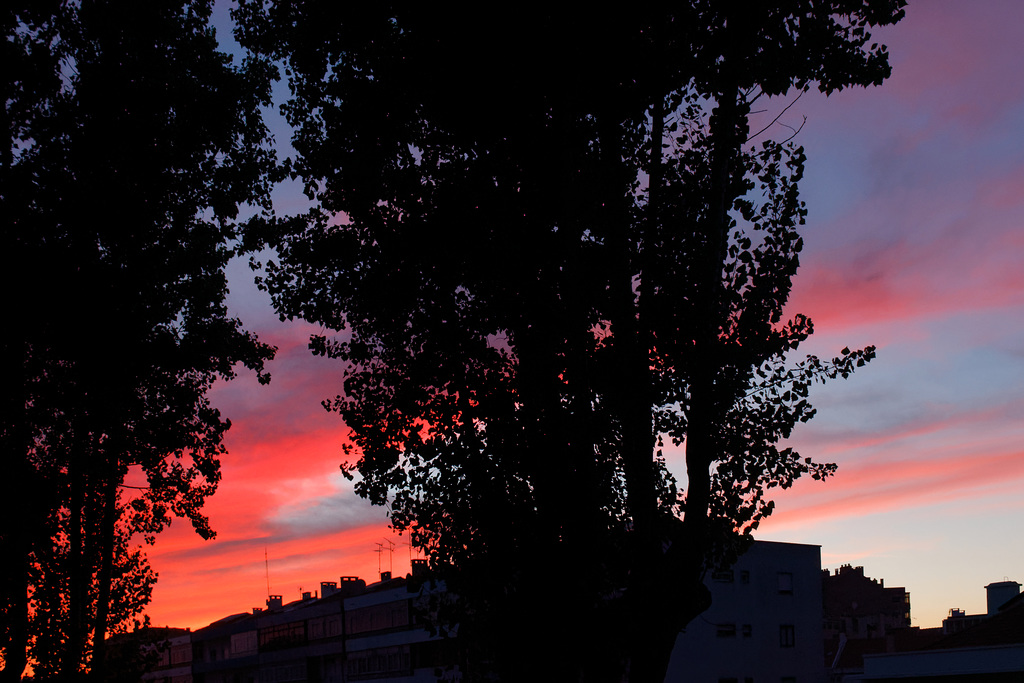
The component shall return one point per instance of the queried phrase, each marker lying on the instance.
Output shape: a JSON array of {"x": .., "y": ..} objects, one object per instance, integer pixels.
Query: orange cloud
[{"x": 202, "y": 582}]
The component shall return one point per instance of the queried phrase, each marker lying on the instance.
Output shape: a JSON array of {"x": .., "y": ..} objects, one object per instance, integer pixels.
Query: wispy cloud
[{"x": 862, "y": 491}]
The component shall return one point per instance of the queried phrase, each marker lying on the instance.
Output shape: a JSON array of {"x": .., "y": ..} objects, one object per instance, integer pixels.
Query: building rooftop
[{"x": 1006, "y": 627}]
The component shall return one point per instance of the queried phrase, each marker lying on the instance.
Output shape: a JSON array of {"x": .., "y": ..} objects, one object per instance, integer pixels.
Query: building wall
[
  {"x": 355, "y": 633},
  {"x": 224, "y": 651},
  {"x": 175, "y": 661},
  {"x": 764, "y": 623},
  {"x": 385, "y": 639},
  {"x": 861, "y": 607},
  {"x": 995, "y": 663}
]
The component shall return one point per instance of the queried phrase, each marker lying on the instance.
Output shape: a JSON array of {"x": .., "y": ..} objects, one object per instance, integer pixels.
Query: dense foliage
[
  {"x": 133, "y": 143},
  {"x": 545, "y": 245}
]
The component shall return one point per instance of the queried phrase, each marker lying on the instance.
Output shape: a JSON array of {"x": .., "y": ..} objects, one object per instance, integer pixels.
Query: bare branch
[{"x": 776, "y": 119}]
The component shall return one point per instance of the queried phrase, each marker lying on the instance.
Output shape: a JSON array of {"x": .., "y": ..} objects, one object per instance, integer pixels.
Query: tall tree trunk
[
  {"x": 666, "y": 589},
  {"x": 77, "y": 561},
  {"x": 661, "y": 600},
  {"x": 707, "y": 407},
  {"x": 650, "y": 610},
  {"x": 98, "y": 665}
]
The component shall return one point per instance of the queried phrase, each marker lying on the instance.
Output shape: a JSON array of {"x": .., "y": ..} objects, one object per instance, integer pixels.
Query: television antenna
[
  {"x": 391, "y": 553},
  {"x": 409, "y": 543}
]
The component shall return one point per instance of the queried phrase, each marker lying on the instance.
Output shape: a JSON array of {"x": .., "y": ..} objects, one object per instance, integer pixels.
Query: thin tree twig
[{"x": 776, "y": 119}]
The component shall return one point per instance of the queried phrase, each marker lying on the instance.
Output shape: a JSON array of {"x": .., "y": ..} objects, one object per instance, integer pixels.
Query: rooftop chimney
[
  {"x": 385, "y": 576},
  {"x": 328, "y": 588},
  {"x": 419, "y": 568},
  {"x": 1000, "y": 593},
  {"x": 274, "y": 602}
]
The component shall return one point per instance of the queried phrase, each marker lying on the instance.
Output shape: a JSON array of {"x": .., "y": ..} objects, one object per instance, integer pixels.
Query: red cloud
[{"x": 233, "y": 577}]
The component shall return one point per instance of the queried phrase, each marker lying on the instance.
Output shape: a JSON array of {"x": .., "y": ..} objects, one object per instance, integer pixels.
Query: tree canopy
[
  {"x": 133, "y": 143},
  {"x": 546, "y": 244}
]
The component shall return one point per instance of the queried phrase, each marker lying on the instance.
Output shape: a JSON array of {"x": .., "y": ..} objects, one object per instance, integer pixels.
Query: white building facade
[{"x": 764, "y": 624}]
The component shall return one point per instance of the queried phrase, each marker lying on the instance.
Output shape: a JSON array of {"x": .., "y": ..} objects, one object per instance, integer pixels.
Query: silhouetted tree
[
  {"x": 542, "y": 256},
  {"x": 133, "y": 142},
  {"x": 130, "y": 587}
]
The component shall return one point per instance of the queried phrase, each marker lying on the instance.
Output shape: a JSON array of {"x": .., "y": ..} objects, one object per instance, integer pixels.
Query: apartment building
[{"x": 764, "y": 624}]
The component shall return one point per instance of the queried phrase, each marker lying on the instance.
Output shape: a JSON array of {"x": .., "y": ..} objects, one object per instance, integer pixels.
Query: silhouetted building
[
  {"x": 990, "y": 651},
  {"x": 147, "y": 650},
  {"x": 225, "y": 651},
  {"x": 861, "y": 607},
  {"x": 844, "y": 658},
  {"x": 959, "y": 620},
  {"x": 996, "y": 594},
  {"x": 764, "y": 623},
  {"x": 350, "y": 632},
  {"x": 861, "y": 617}
]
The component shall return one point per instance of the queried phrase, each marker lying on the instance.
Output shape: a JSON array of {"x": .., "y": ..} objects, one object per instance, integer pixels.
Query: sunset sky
[{"x": 915, "y": 243}]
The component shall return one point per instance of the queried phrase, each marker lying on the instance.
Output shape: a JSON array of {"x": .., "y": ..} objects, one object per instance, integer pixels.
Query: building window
[
  {"x": 243, "y": 644},
  {"x": 389, "y": 615},
  {"x": 723, "y": 576},
  {"x": 181, "y": 654},
  {"x": 379, "y": 662},
  {"x": 744, "y": 576},
  {"x": 787, "y": 635},
  {"x": 747, "y": 630},
  {"x": 282, "y": 636},
  {"x": 726, "y": 631},
  {"x": 786, "y": 582}
]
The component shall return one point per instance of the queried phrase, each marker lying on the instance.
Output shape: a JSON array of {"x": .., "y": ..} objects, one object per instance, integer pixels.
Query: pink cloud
[
  {"x": 886, "y": 485},
  {"x": 933, "y": 421},
  {"x": 953, "y": 255}
]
